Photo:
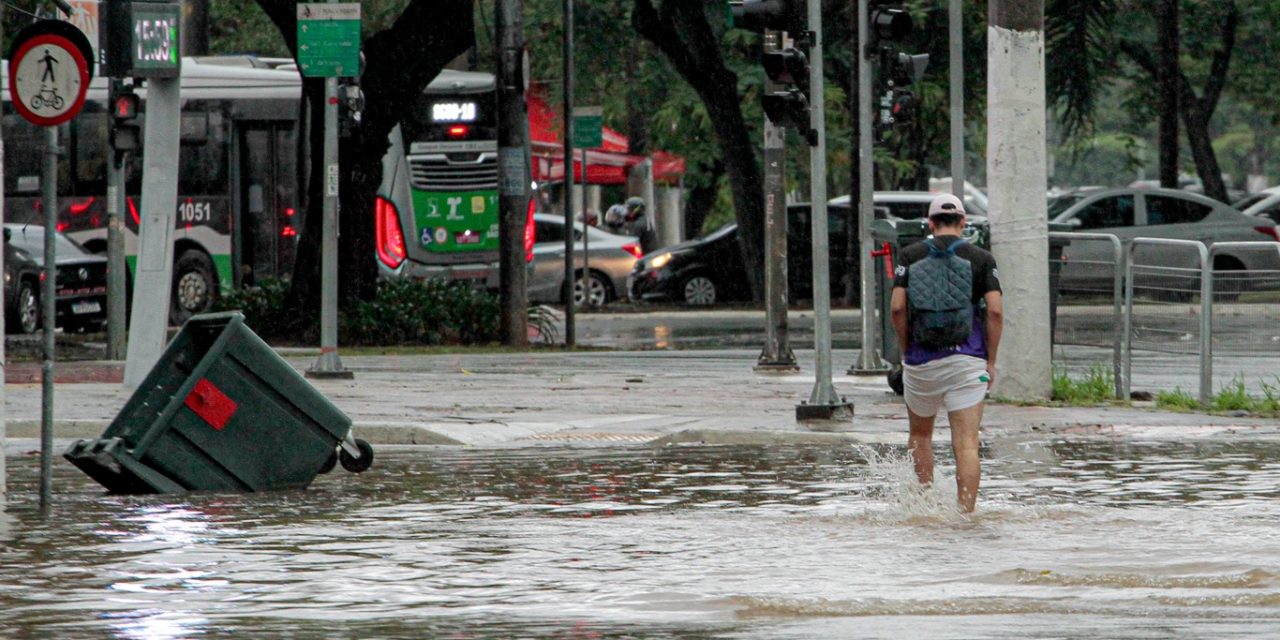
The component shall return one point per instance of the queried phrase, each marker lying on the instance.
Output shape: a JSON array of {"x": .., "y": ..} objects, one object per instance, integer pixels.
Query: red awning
[{"x": 608, "y": 163}]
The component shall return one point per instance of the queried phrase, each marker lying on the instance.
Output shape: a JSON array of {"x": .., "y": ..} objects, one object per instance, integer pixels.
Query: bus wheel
[{"x": 193, "y": 286}]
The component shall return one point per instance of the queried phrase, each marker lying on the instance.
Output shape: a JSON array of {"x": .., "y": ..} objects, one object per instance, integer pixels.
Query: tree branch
[{"x": 1221, "y": 61}]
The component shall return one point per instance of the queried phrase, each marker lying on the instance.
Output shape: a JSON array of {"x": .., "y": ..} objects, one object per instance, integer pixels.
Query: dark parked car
[
  {"x": 708, "y": 270},
  {"x": 81, "y": 298}
]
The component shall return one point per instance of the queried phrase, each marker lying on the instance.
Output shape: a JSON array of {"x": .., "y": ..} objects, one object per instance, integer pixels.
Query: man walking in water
[{"x": 948, "y": 315}]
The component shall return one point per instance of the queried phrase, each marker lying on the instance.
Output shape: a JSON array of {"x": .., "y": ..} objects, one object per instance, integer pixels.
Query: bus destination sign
[{"x": 143, "y": 39}]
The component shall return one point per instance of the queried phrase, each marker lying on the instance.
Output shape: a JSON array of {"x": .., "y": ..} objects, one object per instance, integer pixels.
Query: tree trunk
[
  {"x": 399, "y": 63},
  {"x": 1168, "y": 79},
  {"x": 681, "y": 30},
  {"x": 700, "y": 201},
  {"x": 1197, "y": 112}
]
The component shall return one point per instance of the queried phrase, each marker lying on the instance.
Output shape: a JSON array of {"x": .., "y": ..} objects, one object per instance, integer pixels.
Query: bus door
[{"x": 267, "y": 219}]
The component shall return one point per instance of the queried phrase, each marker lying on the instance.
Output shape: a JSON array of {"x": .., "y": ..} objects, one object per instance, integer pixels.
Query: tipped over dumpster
[{"x": 221, "y": 411}]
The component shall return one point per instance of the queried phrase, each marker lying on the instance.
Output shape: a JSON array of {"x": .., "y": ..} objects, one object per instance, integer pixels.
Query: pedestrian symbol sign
[
  {"x": 329, "y": 39},
  {"x": 50, "y": 76}
]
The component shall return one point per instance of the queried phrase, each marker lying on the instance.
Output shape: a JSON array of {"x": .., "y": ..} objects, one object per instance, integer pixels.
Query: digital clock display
[
  {"x": 143, "y": 39},
  {"x": 453, "y": 112}
]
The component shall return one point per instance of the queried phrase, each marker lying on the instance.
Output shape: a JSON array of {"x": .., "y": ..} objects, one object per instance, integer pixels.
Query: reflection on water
[{"x": 1150, "y": 540}]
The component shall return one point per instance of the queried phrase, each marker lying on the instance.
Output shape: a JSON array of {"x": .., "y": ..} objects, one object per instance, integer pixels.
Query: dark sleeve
[
  {"x": 905, "y": 257},
  {"x": 988, "y": 277},
  {"x": 900, "y": 274}
]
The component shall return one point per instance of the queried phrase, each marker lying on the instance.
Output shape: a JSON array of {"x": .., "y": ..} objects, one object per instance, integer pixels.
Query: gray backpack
[{"x": 939, "y": 292}]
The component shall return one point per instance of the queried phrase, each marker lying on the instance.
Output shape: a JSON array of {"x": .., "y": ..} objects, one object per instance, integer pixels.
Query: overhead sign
[
  {"x": 588, "y": 127},
  {"x": 143, "y": 39},
  {"x": 329, "y": 39},
  {"x": 49, "y": 72}
]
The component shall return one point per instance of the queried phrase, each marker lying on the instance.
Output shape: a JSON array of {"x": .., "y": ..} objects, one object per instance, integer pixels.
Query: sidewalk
[{"x": 612, "y": 397}]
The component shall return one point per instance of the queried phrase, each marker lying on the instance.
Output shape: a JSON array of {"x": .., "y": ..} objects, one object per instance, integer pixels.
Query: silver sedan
[{"x": 609, "y": 259}]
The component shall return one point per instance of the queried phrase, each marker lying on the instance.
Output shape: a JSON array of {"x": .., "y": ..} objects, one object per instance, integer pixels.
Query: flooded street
[{"x": 1089, "y": 537}]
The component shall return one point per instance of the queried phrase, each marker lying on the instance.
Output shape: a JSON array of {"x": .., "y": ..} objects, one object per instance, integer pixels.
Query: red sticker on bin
[{"x": 210, "y": 403}]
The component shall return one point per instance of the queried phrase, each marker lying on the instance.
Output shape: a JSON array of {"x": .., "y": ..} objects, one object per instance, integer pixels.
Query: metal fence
[{"x": 1190, "y": 321}]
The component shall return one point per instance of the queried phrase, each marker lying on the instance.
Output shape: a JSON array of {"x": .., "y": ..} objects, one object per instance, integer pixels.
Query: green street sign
[
  {"x": 588, "y": 127},
  {"x": 329, "y": 39}
]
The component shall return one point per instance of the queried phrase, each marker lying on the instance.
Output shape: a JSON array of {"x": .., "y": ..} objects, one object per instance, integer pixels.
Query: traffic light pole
[
  {"x": 869, "y": 360},
  {"x": 117, "y": 294},
  {"x": 777, "y": 356},
  {"x": 823, "y": 403},
  {"x": 956, "y": 28}
]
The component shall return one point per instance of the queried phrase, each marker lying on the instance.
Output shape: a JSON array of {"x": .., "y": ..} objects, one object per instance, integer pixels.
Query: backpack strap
[{"x": 937, "y": 251}]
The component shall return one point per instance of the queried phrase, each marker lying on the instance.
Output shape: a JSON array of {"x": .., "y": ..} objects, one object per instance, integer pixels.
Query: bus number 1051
[{"x": 194, "y": 212}]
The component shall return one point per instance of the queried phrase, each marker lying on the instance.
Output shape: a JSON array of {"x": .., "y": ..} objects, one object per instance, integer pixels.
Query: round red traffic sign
[{"x": 48, "y": 79}]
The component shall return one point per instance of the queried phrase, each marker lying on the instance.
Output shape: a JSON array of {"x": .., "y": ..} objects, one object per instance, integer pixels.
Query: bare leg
[
  {"x": 920, "y": 442},
  {"x": 964, "y": 442}
]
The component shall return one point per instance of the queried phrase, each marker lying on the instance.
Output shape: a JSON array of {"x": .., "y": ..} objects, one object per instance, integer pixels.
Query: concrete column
[
  {"x": 1017, "y": 178},
  {"x": 670, "y": 206}
]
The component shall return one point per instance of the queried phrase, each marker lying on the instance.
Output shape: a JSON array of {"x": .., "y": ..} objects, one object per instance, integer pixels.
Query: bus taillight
[
  {"x": 530, "y": 232},
  {"x": 459, "y": 131},
  {"x": 390, "y": 240}
]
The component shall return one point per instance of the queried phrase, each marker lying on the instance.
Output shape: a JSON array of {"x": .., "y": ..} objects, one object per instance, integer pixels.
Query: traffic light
[
  {"x": 889, "y": 22},
  {"x": 889, "y": 25},
  {"x": 786, "y": 102},
  {"x": 125, "y": 133},
  {"x": 780, "y": 15}
]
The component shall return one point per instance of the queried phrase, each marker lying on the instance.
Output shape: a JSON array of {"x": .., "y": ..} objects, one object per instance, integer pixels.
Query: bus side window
[
  {"x": 202, "y": 157},
  {"x": 90, "y": 154},
  {"x": 24, "y": 157}
]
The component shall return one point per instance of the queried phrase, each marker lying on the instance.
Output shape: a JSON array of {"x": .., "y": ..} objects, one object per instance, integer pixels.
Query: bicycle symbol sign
[{"x": 50, "y": 77}]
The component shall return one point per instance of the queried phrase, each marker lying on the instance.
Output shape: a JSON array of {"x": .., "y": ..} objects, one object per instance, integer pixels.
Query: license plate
[{"x": 86, "y": 306}]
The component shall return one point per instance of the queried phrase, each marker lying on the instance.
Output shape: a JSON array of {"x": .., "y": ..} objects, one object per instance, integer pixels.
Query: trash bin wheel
[
  {"x": 330, "y": 463},
  {"x": 895, "y": 380},
  {"x": 356, "y": 465}
]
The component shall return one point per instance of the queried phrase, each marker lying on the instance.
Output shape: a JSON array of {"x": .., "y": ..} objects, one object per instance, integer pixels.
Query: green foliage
[
  {"x": 1097, "y": 386},
  {"x": 406, "y": 311},
  {"x": 1233, "y": 397},
  {"x": 1177, "y": 400},
  {"x": 263, "y": 306},
  {"x": 1230, "y": 397}
]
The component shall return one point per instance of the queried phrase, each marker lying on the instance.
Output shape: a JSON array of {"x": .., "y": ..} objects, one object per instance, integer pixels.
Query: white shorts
[{"x": 954, "y": 382}]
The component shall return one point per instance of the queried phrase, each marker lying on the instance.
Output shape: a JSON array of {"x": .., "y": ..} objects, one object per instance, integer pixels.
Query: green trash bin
[
  {"x": 220, "y": 411},
  {"x": 889, "y": 236}
]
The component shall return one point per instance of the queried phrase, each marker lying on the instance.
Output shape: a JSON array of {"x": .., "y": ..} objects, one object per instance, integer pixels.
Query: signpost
[
  {"x": 329, "y": 47},
  {"x": 49, "y": 75},
  {"x": 588, "y": 133}
]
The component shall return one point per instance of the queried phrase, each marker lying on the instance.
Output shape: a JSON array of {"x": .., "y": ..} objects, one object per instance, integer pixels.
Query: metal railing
[
  {"x": 1117, "y": 293},
  {"x": 1163, "y": 293},
  {"x": 1206, "y": 312}
]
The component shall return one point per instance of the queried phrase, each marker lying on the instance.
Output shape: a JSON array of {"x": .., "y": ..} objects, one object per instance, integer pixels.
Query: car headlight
[{"x": 659, "y": 261}]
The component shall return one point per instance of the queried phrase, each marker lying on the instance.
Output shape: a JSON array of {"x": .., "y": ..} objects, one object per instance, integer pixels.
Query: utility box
[{"x": 220, "y": 411}]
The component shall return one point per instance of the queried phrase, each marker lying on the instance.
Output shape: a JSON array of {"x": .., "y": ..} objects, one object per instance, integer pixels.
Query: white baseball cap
[{"x": 946, "y": 203}]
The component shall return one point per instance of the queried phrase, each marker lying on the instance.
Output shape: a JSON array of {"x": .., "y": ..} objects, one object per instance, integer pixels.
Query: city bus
[
  {"x": 237, "y": 212},
  {"x": 437, "y": 208},
  {"x": 243, "y": 147}
]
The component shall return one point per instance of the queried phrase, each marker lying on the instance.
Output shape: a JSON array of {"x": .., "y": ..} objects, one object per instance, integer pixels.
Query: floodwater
[{"x": 1077, "y": 538}]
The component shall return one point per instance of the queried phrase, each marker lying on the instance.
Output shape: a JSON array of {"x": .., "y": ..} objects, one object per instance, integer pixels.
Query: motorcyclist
[
  {"x": 638, "y": 224},
  {"x": 615, "y": 219}
]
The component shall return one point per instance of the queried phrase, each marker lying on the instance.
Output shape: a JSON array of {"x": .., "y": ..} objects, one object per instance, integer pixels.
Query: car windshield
[{"x": 31, "y": 239}]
